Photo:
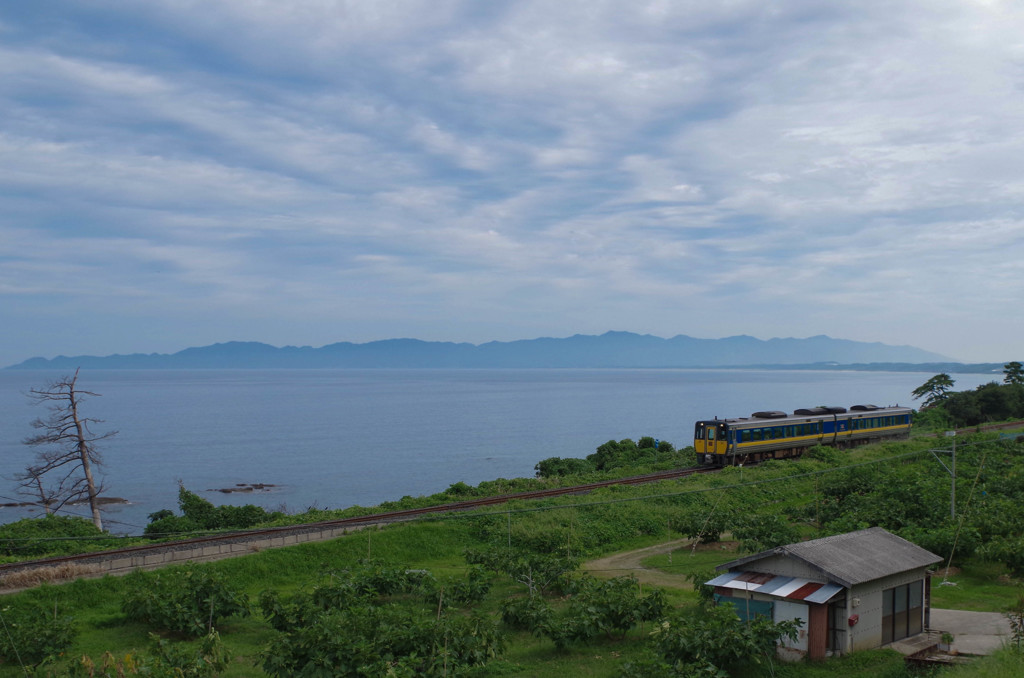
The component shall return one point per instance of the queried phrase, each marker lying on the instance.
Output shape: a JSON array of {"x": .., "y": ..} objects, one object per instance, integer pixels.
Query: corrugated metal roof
[
  {"x": 852, "y": 558},
  {"x": 793, "y": 588}
]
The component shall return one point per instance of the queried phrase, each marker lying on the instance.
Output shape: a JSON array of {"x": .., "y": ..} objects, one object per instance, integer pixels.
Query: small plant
[
  {"x": 1016, "y": 619},
  {"x": 166, "y": 661}
]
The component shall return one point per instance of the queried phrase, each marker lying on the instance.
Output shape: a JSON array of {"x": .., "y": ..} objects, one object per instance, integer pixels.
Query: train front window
[{"x": 711, "y": 433}]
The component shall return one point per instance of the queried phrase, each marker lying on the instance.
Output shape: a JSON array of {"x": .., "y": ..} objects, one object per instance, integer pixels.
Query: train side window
[{"x": 780, "y": 432}]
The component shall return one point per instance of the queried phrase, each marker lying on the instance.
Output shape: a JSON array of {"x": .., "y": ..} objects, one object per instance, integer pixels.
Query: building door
[
  {"x": 837, "y": 627},
  {"x": 902, "y": 611}
]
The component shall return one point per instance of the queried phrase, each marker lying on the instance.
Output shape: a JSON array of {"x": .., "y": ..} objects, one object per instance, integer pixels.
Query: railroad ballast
[{"x": 778, "y": 435}]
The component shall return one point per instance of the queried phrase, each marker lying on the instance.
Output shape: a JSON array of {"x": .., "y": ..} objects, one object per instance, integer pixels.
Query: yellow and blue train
[{"x": 778, "y": 435}]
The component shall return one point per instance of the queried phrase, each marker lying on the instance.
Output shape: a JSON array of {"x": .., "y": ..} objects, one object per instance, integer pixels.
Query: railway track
[{"x": 226, "y": 545}]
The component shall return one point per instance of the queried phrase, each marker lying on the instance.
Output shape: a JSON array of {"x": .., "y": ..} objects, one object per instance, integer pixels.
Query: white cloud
[{"x": 518, "y": 168}]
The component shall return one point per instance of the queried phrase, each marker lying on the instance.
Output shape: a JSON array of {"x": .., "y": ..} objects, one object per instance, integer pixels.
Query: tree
[
  {"x": 1013, "y": 373},
  {"x": 68, "y": 451},
  {"x": 936, "y": 389}
]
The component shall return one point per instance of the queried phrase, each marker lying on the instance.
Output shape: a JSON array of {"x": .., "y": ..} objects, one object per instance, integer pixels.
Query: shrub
[
  {"x": 760, "y": 533},
  {"x": 199, "y": 514},
  {"x": 946, "y": 541},
  {"x": 188, "y": 600},
  {"x": 374, "y": 640},
  {"x": 459, "y": 592},
  {"x": 559, "y": 467},
  {"x": 166, "y": 661},
  {"x": 34, "y": 634},
  {"x": 537, "y": 571},
  {"x": 610, "y": 607},
  {"x": 715, "y": 640},
  {"x": 50, "y": 535},
  {"x": 530, "y": 613}
]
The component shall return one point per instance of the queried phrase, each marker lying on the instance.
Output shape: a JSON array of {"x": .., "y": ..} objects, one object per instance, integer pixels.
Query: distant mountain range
[{"x": 609, "y": 350}]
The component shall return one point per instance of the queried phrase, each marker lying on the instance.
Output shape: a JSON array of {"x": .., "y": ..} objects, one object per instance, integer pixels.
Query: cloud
[{"x": 476, "y": 171}]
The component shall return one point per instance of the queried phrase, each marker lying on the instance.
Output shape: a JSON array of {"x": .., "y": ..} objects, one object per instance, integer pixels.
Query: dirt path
[{"x": 630, "y": 563}]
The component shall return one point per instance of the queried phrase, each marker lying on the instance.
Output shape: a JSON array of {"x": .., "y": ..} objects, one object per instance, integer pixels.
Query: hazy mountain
[{"x": 612, "y": 349}]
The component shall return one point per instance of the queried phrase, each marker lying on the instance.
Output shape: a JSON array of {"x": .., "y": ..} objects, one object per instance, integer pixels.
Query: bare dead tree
[
  {"x": 67, "y": 449},
  {"x": 52, "y": 496}
]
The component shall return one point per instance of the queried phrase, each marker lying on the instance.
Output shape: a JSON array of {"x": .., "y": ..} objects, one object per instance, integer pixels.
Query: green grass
[
  {"x": 1003, "y": 664},
  {"x": 865, "y": 664},
  {"x": 979, "y": 586}
]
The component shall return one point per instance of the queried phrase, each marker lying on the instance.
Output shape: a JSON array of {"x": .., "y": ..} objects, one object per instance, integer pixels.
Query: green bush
[
  {"x": 537, "y": 571},
  {"x": 375, "y": 640},
  {"x": 608, "y": 607},
  {"x": 166, "y": 660},
  {"x": 189, "y": 600},
  {"x": 50, "y": 535},
  {"x": 459, "y": 592},
  {"x": 34, "y": 634},
  {"x": 529, "y": 613},
  {"x": 714, "y": 640},
  {"x": 199, "y": 514},
  {"x": 560, "y": 467},
  {"x": 760, "y": 533}
]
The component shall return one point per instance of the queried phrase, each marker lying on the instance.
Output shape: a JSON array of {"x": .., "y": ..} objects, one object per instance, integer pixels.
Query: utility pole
[{"x": 952, "y": 497}]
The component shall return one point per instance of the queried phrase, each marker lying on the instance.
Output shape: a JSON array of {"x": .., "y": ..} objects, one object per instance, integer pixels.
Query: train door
[{"x": 710, "y": 440}]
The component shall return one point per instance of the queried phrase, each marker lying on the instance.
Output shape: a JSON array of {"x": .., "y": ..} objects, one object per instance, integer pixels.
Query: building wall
[
  {"x": 783, "y": 566},
  {"x": 817, "y": 631},
  {"x": 865, "y": 601},
  {"x": 787, "y": 610}
]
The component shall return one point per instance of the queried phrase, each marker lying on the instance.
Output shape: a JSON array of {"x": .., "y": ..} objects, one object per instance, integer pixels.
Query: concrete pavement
[{"x": 973, "y": 632}]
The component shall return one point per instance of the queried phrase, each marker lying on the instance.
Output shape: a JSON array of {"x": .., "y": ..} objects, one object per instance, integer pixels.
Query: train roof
[{"x": 767, "y": 417}]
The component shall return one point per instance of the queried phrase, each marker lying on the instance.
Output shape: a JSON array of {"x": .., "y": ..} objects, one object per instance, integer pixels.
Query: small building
[{"x": 853, "y": 591}]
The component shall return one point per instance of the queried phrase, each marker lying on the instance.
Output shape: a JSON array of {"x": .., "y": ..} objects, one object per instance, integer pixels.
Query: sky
[{"x": 177, "y": 173}]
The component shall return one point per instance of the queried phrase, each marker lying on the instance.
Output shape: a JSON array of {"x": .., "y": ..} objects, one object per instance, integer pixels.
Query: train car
[{"x": 778, "y": 435}]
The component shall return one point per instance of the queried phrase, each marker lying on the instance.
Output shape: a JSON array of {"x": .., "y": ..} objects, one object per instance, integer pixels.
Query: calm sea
[{"x": 334, "y": 438}]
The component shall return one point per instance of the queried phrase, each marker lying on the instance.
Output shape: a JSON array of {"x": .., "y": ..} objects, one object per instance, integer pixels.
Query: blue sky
[{"x": 178, "y": 173}]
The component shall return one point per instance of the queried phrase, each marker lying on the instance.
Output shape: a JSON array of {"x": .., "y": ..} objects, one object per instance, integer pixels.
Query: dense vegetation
[
  {"x": 199, "y": 515},
  {"x": 945, "y": 408}
]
